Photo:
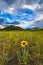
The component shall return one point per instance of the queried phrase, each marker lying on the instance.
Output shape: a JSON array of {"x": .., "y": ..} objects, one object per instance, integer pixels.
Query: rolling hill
[{"x": 12, "y": 27}]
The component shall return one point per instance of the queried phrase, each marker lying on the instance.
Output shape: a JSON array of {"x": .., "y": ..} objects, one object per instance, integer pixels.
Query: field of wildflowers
[{"x": 21, "y": 47}]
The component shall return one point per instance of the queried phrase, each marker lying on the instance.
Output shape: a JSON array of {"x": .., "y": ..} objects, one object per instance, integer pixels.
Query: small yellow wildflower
[{"x": 24, "y": 43}]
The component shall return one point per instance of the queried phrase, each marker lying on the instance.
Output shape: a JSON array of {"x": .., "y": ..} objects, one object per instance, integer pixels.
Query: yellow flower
[{"x": 24, "y": 43}]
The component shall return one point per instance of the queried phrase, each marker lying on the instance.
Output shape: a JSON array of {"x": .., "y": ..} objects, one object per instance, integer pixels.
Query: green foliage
[{"x": 23, "y": 55}]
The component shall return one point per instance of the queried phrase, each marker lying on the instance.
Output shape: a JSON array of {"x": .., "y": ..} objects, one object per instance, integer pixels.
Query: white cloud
[
  {"x": 39, "y": 6},
  {"x": 39, "y": 17},
  {"x": 9, "y": 10},
  {"x": 1, "y": 26},
  {"x": 25, "y": 24},
  {"x": 30, "y": 6},
  {"x": 12, "y": 9}
]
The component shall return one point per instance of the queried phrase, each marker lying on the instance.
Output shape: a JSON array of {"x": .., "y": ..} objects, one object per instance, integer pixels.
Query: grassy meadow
[{"x": 10, "y": 43}]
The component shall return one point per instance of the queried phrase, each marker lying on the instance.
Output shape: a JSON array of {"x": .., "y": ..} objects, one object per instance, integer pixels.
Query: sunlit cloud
[
  {"x": 30, "y": 6},
  {"x": 1, "y": 26},
  {"x": 9, "y": 10}
]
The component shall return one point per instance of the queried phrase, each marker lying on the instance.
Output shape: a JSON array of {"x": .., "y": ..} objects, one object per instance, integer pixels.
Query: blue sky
[{"x": 22, "y": 13}]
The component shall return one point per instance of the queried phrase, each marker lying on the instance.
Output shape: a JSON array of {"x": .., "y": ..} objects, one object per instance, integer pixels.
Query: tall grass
[{"x": 9, "y": 44}]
